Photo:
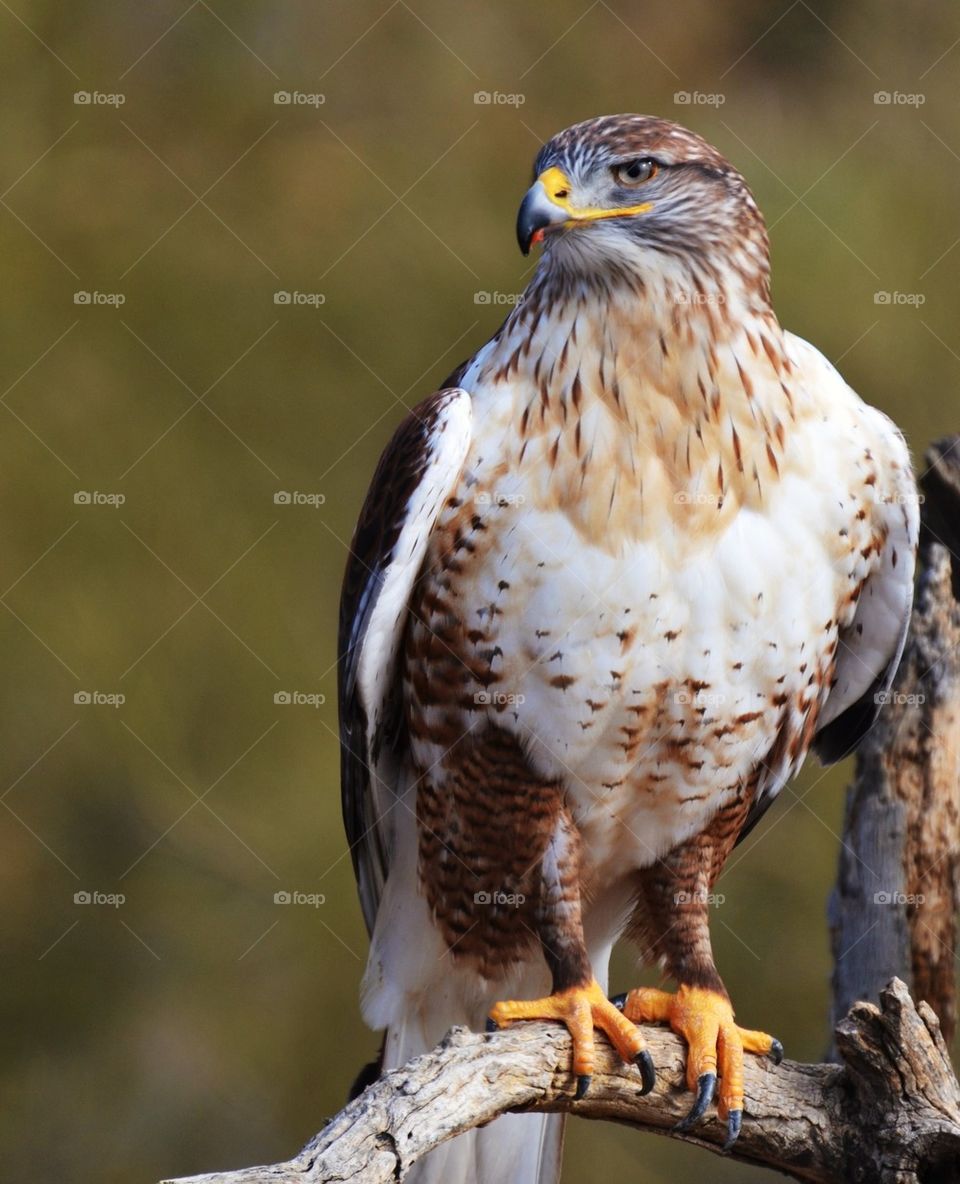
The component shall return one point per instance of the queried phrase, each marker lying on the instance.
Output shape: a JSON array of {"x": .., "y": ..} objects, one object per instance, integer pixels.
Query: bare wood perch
[
  {"x": 890, "y": 1115},
  {"x": 889, "y": 1111}
]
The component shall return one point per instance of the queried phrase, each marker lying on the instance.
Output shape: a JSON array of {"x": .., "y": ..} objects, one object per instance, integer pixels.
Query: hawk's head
[{"x": 632, "y": 187}]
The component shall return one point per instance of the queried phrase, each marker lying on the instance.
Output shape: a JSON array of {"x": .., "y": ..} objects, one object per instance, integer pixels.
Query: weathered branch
[
  {"x": 891, "y": 1114},
  {"x": 889, "y": 1111}
]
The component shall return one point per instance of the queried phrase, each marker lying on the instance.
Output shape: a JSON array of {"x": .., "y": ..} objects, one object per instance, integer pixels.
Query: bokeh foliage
[{"x": 199, "y": 1024}]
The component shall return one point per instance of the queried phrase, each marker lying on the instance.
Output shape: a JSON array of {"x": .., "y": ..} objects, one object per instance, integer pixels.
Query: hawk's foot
[
  {"x": 582, "y": 1009},
  {"x": 715, "y": 1046}
]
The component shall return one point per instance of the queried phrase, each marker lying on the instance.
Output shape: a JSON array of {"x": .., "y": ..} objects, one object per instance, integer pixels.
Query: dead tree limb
[
  {"x": 889, "y": 1111},
  {"x": 889, "y": 1115}
]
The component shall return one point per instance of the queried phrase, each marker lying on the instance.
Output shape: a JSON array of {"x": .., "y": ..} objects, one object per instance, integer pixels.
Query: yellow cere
[{"x": 558, "y": 187}]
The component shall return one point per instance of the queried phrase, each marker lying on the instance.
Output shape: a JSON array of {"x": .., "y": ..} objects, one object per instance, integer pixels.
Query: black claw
[
  {"x": 706, "y": 1085},
  {"x": 734, "y": 1120},
  {"x": 776, "y": 1052},
  {"x": 648, "y": 1075},
  {"x": 619, "y": 1001},
  {"x": 583, "y": 1084},
  {"x": 492, "y": 1025}
]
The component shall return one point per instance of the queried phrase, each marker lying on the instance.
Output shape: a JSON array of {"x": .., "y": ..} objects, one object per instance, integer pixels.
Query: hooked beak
[
  {"x": 548, "y": 203},
  {"x": 540, "y": 209}
]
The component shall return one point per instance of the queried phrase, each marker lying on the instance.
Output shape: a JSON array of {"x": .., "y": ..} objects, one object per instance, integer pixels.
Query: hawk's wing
[
  {"x": 417, "y": 473},
  {"x": 872, "y": 645}
]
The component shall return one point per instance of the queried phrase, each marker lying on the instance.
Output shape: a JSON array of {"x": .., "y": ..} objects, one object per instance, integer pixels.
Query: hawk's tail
[{"x": 515, "y": 1149}]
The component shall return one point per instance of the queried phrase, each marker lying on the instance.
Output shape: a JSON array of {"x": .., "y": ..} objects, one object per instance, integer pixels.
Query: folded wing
[{"x": 417, "y": 473}]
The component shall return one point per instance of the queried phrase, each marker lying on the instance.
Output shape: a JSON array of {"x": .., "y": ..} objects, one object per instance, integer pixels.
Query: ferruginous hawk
[{"x": 610, "y": 584}]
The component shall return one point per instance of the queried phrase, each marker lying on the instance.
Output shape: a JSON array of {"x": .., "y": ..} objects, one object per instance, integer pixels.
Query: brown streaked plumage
[{"x": 609, "y": 587}]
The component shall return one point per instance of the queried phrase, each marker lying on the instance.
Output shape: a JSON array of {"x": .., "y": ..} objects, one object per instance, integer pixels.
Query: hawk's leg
[
  {"x": 577, "y": 1000},
  {"x": 671, "y": 924}
]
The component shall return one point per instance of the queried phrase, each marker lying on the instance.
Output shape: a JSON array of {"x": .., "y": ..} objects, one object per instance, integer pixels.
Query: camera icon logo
[
  {"x": 282, "y": 698},
  {"x": 81, "y": 97},
  {"x": 281, "y": 898},
  {"x": 81, "y": 298},
  {"x": 82, "y": 698},
  {"x": 282, "y": 498},
  {"x": 81, "y": 898},
  {"x": 281, "y": 98},
  {"x": 82, "y": 498},
  {"x": 281, "y": 298}
]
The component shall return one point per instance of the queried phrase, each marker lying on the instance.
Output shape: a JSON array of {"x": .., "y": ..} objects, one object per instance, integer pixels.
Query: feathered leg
[
  {"x": 671, "y": 924},
  {"x": 576, "y": 999}
]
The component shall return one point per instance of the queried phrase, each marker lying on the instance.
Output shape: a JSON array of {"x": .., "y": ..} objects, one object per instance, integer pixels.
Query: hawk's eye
[{"x": 635, "y": 172}]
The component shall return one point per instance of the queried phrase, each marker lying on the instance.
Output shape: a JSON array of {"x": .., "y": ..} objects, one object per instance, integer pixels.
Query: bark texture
[{"x": 890, "y": 1114}]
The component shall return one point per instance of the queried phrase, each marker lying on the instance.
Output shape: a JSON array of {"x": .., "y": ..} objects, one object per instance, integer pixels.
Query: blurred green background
[{"x": 197, "y": 1024}]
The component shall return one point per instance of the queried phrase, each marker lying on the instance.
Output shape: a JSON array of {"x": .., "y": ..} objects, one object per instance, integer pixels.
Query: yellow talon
[
  {"x": 715, "y": 1044},
  {"x": 581, "y": 1009}
]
